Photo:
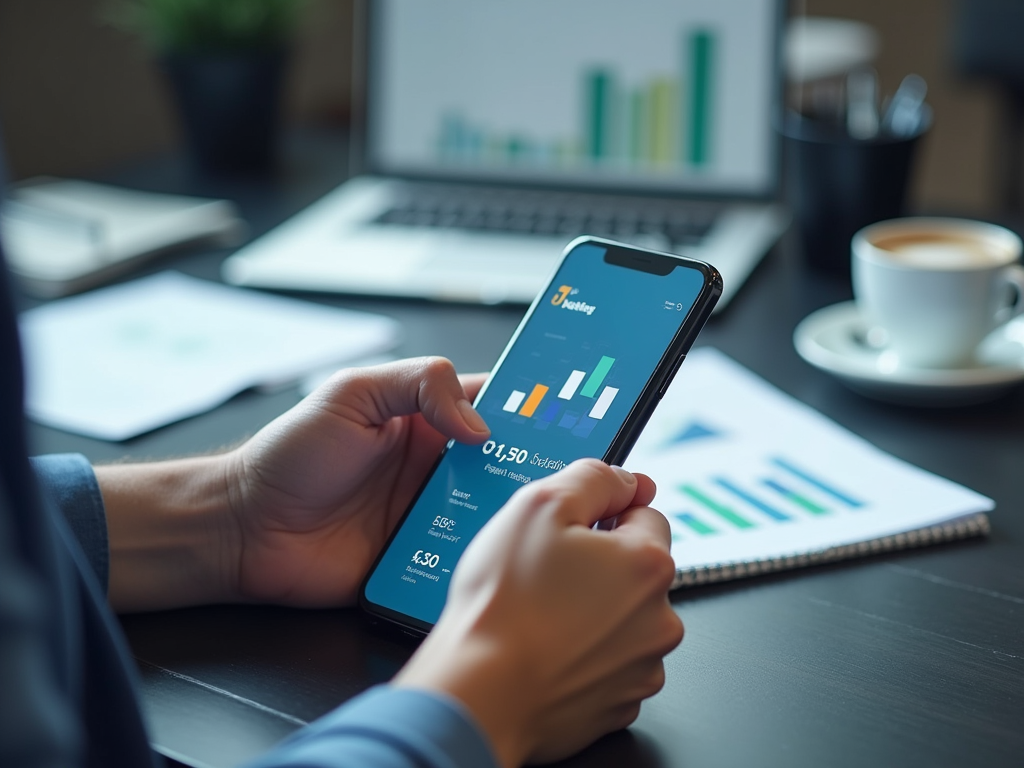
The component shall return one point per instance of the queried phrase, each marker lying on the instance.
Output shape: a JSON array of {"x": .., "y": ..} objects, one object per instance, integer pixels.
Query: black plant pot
[{"x": 230, "y": 106}]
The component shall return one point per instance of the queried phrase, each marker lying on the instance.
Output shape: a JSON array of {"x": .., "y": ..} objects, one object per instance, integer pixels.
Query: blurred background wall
[{"x": 76, "y": 95}]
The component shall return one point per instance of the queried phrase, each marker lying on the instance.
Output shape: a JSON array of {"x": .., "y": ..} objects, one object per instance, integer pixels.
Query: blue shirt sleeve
[
  {"x": 387, "y": 728},
  {"x": 70, "y": 483}
]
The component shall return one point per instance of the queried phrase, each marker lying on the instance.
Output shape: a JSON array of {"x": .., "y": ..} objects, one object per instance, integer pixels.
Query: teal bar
[
  {"x": 694, "y": 524},
  {"x": 637, "y": 126},
  {"x": 597, "y": 377},
  {"x": 702, "y": 48},
  {"x": 598, "y": 87},
  {"x": 721, "y": 510}
]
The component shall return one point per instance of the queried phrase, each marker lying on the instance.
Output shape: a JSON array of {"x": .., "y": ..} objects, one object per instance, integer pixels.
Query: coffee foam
[{"x": 944, "y": 250}]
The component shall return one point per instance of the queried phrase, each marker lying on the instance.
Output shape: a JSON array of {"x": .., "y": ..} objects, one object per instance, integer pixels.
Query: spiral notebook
[{"x": 753, "y": 481}]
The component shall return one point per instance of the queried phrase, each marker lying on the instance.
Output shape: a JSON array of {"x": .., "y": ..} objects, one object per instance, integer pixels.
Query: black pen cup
[{"x": 836, "y": 185}]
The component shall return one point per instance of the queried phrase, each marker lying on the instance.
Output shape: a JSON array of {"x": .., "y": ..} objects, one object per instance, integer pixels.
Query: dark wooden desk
[{"x": 913, "y": 659}]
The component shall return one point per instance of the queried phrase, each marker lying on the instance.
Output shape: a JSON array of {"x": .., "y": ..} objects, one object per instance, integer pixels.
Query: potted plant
[{"x": 225, "y": 61}]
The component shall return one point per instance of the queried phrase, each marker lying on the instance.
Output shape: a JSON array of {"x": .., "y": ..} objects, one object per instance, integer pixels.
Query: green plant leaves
[{"x": 208, "y": 25}]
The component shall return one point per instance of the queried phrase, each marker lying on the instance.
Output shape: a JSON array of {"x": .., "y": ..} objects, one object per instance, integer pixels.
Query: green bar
[
  {"x": 637, "y": 126},
  {"x": 719, "y": 509},
  {"x": 807, "y": 504},
  {"x": 598, "y": 86},
  {"x": 702, "y": 47},
  {"x": 597, "y": 377},
  {"x": 663, "y": 111},
  {"x": 696, "y": 525}
]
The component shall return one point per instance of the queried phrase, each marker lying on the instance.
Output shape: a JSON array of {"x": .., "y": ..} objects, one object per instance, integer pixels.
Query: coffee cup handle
[{"x": 1013, "y": 278}]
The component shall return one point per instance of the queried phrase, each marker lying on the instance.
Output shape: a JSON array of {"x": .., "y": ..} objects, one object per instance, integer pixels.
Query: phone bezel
[{"x": 690, "y": 326}]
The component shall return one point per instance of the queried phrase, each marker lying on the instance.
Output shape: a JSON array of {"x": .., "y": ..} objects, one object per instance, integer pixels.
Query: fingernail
[
  {"x": 469, "y": 415},
  {"x": 625, "y": 475}
]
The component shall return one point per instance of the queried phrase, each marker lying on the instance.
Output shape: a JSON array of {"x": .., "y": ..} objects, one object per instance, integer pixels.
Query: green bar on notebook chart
[
  {"x": 597, "y": 377},
  {"x": 721, "y": 510},
  {"x": 702, "y": 50},
  {"x": 696, "y": 525},
  {"x": 796, "y": 498}
]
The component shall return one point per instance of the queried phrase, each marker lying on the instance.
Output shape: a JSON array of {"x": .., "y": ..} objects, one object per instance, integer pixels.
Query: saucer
[{"x": 835, "y": 340}]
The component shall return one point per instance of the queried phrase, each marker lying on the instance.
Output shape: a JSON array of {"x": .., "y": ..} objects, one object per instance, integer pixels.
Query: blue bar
[
  {"x": 585, "y": 427},
  {"x": 819, "y": 484},
  {"x": 568, "y": 421},
  {"x": 753, "y": 501},
  {"x": 551, "y": 412}
]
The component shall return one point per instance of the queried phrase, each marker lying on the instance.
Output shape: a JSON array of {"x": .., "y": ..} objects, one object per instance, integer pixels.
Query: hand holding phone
[{"x": 554, "y": 632}]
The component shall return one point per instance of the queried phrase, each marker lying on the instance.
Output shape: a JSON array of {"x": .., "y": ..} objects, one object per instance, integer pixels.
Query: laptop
[{"x": 490, "y": 133}]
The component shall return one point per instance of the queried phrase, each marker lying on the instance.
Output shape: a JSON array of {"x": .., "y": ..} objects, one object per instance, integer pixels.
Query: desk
[{"x": 909, "y": 659}]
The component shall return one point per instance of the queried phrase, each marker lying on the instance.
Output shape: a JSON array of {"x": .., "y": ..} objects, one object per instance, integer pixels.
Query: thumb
[{"x": 424, "y": 385}]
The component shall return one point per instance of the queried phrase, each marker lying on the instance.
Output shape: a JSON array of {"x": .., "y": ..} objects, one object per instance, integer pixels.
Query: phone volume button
[{"x": 671, "y": 375}]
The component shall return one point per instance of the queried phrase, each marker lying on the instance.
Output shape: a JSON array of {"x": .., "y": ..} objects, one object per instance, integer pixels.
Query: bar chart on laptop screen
[
  {"x": 663, "y": 122},
  {"x": 646, "y": 90}
]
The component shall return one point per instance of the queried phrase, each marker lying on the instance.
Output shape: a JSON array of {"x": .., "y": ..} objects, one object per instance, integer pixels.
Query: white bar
[
  {"x": 603, "y": 403},
  {"x": 514, "y": 401},
  {"x": 571, "y": 384}
]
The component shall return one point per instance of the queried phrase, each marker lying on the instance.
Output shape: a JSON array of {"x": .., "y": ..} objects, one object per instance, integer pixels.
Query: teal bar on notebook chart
[
  {"x": 796, "y": 498},
  {"x": 752, "y": 500},
  {"x": 694, "y": 524},
  {"x": 723, "y": 511}
]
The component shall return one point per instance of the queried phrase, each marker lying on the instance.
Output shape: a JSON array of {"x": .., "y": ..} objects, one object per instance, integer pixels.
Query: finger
[
  {"x": 644, "y": 525},
  {"x": 583, "y": 493},
  {"x": 646, "y": 490},
  {"x": 472, "y": 383},
  {"x": 426, "y": 385}
]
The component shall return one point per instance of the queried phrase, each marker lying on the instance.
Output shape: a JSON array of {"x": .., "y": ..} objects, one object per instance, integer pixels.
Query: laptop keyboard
[{"x": 565, "y": 215}]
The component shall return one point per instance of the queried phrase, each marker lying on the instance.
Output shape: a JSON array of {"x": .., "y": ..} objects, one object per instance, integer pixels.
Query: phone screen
[{"x": 562, "y": 392}]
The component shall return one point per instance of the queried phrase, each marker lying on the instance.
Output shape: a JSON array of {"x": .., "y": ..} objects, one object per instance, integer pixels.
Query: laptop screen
[{"x": 668, "y": 96}]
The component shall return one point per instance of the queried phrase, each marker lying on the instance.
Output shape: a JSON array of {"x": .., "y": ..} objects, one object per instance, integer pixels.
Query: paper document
[
  {"x": 124, "y": 360},
  {"x": 748, "y": 474}
]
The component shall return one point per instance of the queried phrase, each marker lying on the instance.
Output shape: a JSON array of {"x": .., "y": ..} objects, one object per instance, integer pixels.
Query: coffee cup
[{"x": 931, "y": 289}]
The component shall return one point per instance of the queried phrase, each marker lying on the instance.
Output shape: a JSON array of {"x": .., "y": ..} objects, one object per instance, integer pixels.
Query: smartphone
[{"x": 580, "y": 377}]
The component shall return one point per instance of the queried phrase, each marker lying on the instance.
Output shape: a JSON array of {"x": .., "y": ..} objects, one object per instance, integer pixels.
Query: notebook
[
  {"x": 753, "y": 481},
  {"x": 62, "y": 236},
  {"x": 489, "y": 135}
]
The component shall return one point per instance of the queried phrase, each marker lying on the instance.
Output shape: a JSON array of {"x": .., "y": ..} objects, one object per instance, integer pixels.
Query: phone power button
[{"x": 672, "y": 374}]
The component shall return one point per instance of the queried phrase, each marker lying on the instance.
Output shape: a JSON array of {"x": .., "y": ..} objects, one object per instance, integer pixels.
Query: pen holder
[{"x": 836, "y": 184}]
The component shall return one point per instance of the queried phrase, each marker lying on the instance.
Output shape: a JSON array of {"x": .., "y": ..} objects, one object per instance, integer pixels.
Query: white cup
[{"x": 937, "y": 287}]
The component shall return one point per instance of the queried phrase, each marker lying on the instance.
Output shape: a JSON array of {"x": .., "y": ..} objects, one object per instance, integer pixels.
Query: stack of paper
[
  {"x": 124, "y": 360},
  {"x": 752, "y": 480},
  {"x": 62, "y": 236}
]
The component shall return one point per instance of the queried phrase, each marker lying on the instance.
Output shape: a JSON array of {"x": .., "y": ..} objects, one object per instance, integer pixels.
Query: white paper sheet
[
  {"x": 747, "y": 473},
  {"x": 121, "y": 361}
]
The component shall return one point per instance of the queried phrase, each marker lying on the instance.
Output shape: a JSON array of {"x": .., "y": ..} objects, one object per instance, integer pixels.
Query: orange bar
[{"x": 539, "y": 390}]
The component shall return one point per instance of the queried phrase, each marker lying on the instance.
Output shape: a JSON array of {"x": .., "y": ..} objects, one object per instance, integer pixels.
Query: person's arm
[
  {"x": 388, "y": 727},
  {"x": 68, "y": 481},
  {"x": 39, "y": 727}
]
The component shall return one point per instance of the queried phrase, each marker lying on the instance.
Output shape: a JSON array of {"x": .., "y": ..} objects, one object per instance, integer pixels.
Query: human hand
[
  {"x": 315, "y": 494},
  {"x": 554, "y": 632}
]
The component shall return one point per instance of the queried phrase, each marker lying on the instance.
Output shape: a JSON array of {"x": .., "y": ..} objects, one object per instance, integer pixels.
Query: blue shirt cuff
[
  {"x": 388, "y": 727},
  {"x": 70, "y": 483}
]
